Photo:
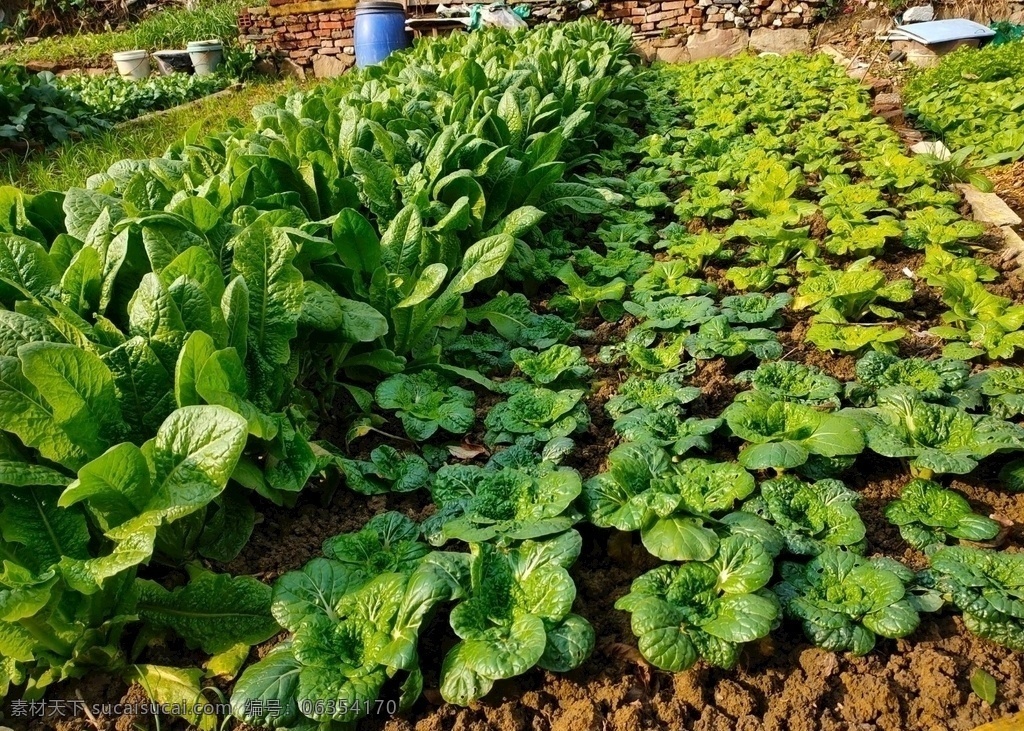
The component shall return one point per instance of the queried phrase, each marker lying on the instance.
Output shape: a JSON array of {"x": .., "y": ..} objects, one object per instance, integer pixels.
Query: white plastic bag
[{"x": 502, "y": 17}]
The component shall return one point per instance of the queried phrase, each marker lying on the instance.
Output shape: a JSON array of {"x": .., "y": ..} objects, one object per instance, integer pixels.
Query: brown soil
[
  {"x": 718, "y": 389},
  {"x": 782, "y": 683},
  {"x": 796, "y": 347}
]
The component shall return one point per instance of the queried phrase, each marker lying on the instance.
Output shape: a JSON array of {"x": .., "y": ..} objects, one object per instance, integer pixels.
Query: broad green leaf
[
  {"x": 356, "y": 241},
  {"x": 679, "y": 539},
  {"x": 30, "y": 417},
  {"x": 273, "y": 681},
  {"x": 176, "y": 688},
  {"x": 25, "y": 269},
  {"x": 984, "y": 686},
  {"x": 742, "y": 618},
  {"x": 213, "y": 612},
  {"x": 80, "y": 389},
  {"x": 263, "y": 258},
  {"x": 192, "y": 457}
]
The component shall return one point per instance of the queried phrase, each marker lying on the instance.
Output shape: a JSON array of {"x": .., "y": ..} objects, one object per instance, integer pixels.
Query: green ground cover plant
[
  {"x": 973, "y": 99},
  {"x": 499, "y": 283}
]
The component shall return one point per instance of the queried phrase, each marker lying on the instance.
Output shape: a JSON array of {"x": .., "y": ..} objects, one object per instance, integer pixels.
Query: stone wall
[
  {"x": 693, "y": 16},
  {"x": 304, "y": 42},
  {"x": 316, "y": 37}
]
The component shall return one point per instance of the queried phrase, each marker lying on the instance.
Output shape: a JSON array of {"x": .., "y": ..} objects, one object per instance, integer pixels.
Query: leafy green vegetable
[
  {"x": 511, "y": 317},
  {"x": 426, "y": 402},
  {"x": 668, "y": 502},
  {"x": 940, "y": 381},
  {"x": 717, "y": 337},
  {"x": 845, "y": 601},
  {"x": 389, "y": 542},
  {"x": 660, "y": 392},
  {"x": 517, "y": 615},
  {"x": 938, "y": 439},
  {"x": 970, "y": 99},
  {"x": 354, "y": 620},
  {"x": 1003, "y": 389},
  {"x": 940, "y": 266},
  {"x": 704, "y": 609},
  {"x": 987, "y": 587},
  {"x": 756, "y": 278},
  {"x": 979, "y": 322},
  {"x": 783, "y": 435},
  {"x": 667, "y": 429},
  {"x": 786, "y": 380},
  {"x": 478, "y": 504},
  {"x": 854, "y": 338},
  {"x": 558, "y": 366},
  {"x": 842, "y": 296},
  {"x": 673, "y": 313},
  {"x": 928, "y": 515},
  {"x": 810, "y": 516},
  {"x": 669, "y": 278},
  {"x": 539, "y": 413},
  {"x": 940, "y": 227},
  {"x": 387, "y": 470},
  {"x": 755, "y": 309},
  {"x": 581, "y": 298},
  {"x": 213, "y": 612}
]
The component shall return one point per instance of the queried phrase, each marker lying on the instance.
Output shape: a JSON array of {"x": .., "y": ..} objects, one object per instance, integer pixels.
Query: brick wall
[{"x": 321, "y": 42}]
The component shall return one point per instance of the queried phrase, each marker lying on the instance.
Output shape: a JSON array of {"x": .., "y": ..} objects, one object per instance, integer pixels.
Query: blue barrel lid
[{"x": 379, "y": 6}]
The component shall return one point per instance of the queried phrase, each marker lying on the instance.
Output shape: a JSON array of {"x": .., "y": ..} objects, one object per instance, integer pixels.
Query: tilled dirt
[{"x": 782, "y": 683}]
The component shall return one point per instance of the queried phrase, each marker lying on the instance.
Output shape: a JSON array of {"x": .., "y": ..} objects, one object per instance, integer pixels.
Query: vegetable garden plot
[
  {"x": 37, "y": 110},
  {"x": 531, "y": 325},
  {"x": 974, "y": 99}
]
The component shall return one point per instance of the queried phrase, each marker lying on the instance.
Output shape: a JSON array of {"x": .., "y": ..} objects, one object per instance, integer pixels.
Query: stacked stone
[
  {"x": 692, "y": 16},
  {"x": 319, "y": 41}
]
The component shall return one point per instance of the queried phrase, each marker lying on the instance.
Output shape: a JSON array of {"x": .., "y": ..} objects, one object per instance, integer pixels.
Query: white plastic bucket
[
  {"x": 132, "y": 64},
  {"x": 206, "y": 56}
]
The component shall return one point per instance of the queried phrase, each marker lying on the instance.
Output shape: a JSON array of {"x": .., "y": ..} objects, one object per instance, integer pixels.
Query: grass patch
[
  {"x": 172, "y": 28},
  {"x": 70, "y": 164}
]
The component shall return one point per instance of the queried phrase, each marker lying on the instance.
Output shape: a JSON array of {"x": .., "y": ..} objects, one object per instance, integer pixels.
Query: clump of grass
[
  {"x": 71, "y": 164},
  {"x": 172, "y": 28}
]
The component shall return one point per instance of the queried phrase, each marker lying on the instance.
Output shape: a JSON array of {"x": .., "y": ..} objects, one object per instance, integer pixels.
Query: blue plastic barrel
[{"x": 380, "y": 29}]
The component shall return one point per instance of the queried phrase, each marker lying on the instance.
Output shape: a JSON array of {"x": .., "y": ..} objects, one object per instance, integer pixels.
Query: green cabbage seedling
[
  {"x": 517, "y": 615},
  {"x": 670, "y": 504},
  {"x": 928, "y": 515},
  {"x": 783, "y": 435},
  {"x": 844, "y": 600},
  {"x": 786, "y": 380},
  {"x": 661, "y": 392},
  {"x": 1003, "y": 389},
  {"x": 937, "y": 439},
  {"x": 941, "y": 381},
  {"x": 704, "y": 609},
  {"x": 717, "y": 338},
  {"x": 539, "y": 413},
  {"x": 425, "y": 402},
  {"x": 988, "y": 587},
  {"x": 559, "y": 366},
  {"x": 504, "y": 504},
  {"x": 756, "y": 309},
  {"x": 810, "y": 516},
  {"x": 354, "y": 622}
]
